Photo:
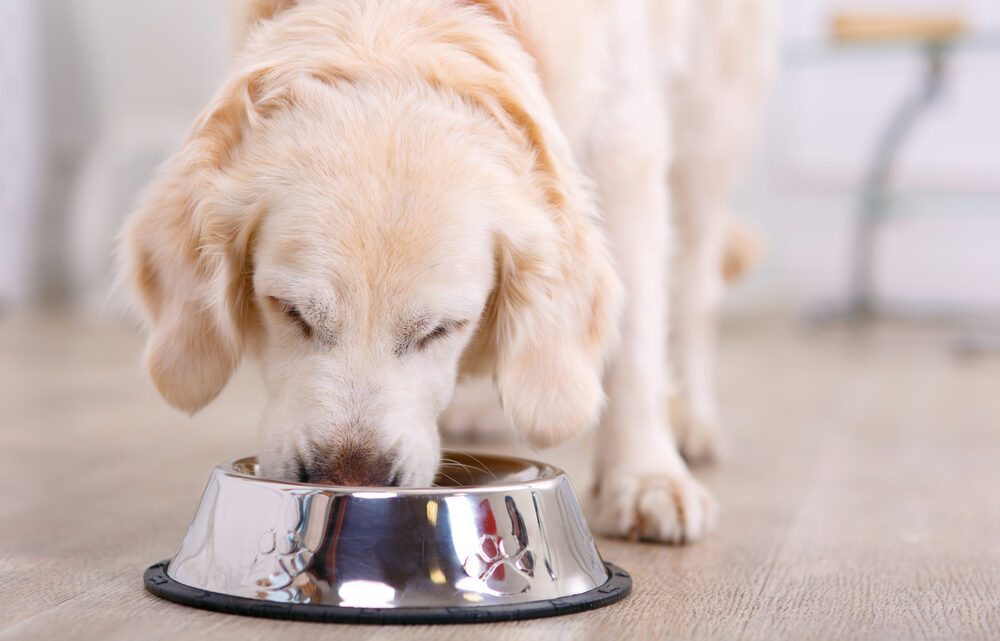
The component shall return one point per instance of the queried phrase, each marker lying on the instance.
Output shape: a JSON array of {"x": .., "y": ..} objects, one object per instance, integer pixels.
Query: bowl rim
[{"x": 549, "y": 476}]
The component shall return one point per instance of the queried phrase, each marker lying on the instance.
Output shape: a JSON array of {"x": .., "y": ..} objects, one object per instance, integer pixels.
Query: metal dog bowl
[{"x": 501, "y": 538}]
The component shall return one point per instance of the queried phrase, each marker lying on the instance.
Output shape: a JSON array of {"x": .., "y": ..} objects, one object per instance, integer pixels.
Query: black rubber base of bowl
[{"x": 617, "y": 587}]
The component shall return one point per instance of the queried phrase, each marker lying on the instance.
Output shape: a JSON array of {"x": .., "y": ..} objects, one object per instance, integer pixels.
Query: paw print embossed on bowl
[{"x": 503, "y": 563}]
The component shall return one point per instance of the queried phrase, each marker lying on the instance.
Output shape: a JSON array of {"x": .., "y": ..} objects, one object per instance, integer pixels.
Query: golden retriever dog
[{"x": 387, "y": 196}]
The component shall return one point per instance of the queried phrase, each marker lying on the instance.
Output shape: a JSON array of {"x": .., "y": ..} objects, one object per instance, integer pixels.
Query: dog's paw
[
  {"x": 669, "y": 508},
  {"x": 698, "y": 435},
  {"x": 699, "y": 440},
  {"x": 474, "y": 414}
]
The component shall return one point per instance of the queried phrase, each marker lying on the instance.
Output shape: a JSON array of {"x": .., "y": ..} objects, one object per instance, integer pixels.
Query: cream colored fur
[{"x": 388, "y": 195}]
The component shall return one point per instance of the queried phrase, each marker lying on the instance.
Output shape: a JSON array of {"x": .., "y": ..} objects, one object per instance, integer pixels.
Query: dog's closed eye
[
  {"x": 293, "y": 314},
  {"x": 440, "y": 331},
  {"x": 412, "y": 339}
]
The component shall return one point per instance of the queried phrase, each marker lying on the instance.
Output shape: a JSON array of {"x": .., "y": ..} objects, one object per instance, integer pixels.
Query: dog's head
[{"x": 370, "y": 240}]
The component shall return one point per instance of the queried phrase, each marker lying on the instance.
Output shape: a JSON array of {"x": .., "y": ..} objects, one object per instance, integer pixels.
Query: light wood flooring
[{"x": 861, "y": 498}]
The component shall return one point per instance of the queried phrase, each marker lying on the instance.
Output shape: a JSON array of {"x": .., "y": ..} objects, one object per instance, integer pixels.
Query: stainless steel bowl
[{"x": 498, "y": 538}]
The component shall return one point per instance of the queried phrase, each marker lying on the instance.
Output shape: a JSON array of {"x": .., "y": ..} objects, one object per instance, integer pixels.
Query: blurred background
[
  {"x": 861, "y": 487},
  {"x": 97, "y": 92}
]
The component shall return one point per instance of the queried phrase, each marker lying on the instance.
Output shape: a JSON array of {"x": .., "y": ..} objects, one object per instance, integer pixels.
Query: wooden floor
[{"x": 861, "y": 500}]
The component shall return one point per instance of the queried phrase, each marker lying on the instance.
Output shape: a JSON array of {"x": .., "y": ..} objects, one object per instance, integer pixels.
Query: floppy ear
[
  {"x": 553, "y": 315},
  {"x": 185, "y": 254},
  {"x": 554, "y": 318},
  {"x": 246, "y": 15}
]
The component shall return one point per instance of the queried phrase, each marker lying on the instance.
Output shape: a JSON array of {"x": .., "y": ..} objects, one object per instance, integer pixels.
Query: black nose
[{"x": 354, "y": 465}]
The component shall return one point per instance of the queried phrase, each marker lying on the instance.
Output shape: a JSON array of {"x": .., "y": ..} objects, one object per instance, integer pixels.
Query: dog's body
[{"x": 393, "y": 193}]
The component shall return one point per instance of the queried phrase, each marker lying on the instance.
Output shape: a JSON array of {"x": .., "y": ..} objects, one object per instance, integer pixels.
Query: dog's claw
[{"x": 670, "y": 508}]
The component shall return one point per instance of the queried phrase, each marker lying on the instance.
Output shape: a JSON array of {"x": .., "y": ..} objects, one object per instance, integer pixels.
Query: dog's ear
[
  {"x": 247, "y": 15},
  {"x": 553, "y": 318},
  {"x": 553, "y": 315},
  {"x": 266, "y": 9},
  {"x": 185, "y": 254}
]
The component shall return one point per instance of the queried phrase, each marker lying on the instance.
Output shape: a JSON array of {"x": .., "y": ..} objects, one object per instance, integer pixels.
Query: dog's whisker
[
  {"x": 456, "y": 463},
  {"x": 450, "y": 478},
  {"x": 473, "y": 471},
  {"x": 458, "y": 466},
  {"x": 483, "y": 466}
]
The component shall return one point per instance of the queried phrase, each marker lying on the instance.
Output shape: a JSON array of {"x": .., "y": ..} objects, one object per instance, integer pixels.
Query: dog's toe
[
  {"x": 701, "y": 441},
  {"x": 669, "y": 508},
  {"x": 699, "y": 437}
]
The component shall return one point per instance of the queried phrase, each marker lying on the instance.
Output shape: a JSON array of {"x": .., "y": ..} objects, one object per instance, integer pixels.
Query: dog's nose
[
  {"x": 359, "y": 478},
  {"x": 352, "y": 465}
]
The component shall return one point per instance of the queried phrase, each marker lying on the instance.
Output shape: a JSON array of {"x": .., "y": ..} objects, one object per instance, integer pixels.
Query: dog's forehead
[
  {"x": 398, "y": 264},
  {"x": 414, "y": 239},
  {"x": 394, "y": 203}
]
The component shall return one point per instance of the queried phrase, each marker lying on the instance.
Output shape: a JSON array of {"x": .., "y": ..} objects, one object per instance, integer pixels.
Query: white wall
[
  {"x": 940, "y": 251},
  {"x": 113, "y": 84},
  {"x": 117, "y": 82},
  {"x": 20, "y": 149}
]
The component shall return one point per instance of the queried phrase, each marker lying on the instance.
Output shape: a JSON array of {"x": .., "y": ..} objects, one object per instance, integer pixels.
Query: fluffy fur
[{"x": 389, "y": 195}]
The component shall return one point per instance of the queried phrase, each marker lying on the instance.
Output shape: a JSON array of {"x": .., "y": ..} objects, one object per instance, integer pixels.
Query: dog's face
[
  {"x": 372, "y": 268},
  {"x": 368, "y": 245}
]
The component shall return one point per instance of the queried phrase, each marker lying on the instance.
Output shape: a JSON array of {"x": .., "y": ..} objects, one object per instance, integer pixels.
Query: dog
[{"x": 388, "y": 196}]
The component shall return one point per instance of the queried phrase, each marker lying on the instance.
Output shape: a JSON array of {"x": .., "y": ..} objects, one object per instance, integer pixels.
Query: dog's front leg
[
  {"x": 697, "y": 288},
  {"x": 643, "y": 489}
]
